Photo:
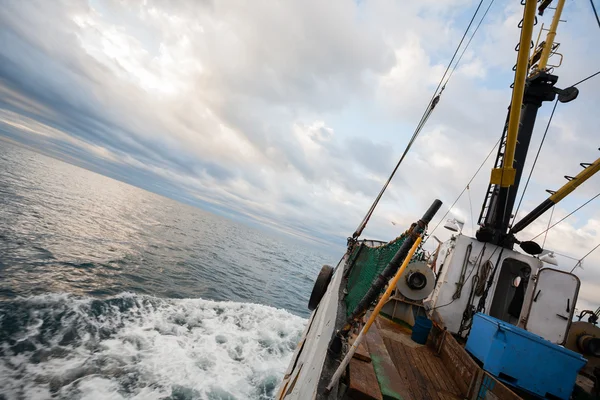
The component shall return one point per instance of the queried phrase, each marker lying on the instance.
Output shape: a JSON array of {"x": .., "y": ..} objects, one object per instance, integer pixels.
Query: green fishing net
[{"x": 368, "y": 263}]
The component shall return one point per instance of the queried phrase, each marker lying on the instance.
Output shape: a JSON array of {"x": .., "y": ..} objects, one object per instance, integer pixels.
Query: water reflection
[{"x": 65, "y": 229}]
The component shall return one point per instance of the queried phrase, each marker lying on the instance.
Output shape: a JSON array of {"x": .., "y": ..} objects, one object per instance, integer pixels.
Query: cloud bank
[{"x": 291, "y": 115}]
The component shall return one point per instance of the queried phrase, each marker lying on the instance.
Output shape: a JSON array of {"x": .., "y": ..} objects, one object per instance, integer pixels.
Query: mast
[{"x": 529, "y": 93}]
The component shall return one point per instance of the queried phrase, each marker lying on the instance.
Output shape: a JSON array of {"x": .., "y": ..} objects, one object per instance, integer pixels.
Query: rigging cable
[
  {"x": 471, "y": 38},
  {"x": 581, "y": 259},
  {"x": 542, "y": 143},
  {"x": 567, "y": 216},
  {"x": 463, "y": 191},
  {"x": 432, "y": 103},
  {"x": 595, "y": 12},
  {"x": 535, "y": 160},
  {"x": 548, "y": 227},
  {"x": 497, "y": 143},
  {"x": 585, "y": 79},
  {"x": 471, "y": 209}
]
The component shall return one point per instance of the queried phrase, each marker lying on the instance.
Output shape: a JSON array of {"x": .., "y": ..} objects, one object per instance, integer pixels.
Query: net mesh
[{"x": 368, "y": 263}]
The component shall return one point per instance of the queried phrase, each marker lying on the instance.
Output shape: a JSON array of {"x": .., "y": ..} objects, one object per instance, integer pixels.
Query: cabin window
[{"x": 510, "y": 290}]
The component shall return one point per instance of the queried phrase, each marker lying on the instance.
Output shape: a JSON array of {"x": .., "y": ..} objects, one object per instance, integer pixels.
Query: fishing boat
[{"x": 480, "y": 317}]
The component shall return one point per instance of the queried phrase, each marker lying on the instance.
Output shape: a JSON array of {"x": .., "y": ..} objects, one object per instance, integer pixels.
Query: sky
[{"x": 291, "y": 115}]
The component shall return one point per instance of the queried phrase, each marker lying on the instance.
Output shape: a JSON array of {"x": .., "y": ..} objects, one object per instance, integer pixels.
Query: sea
[{"x": 108, "y": 291}]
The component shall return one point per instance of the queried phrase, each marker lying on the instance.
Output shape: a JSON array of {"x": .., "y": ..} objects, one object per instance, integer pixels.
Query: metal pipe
[
  {"x": 589, "y": 344},
  {"x": 560, "y": 194},
  {"x": 393, "y": 265},
  {"x": 505, "y": 176},
  {"x": 550, "y": 36},
  {"x": 386, "y": 295}
]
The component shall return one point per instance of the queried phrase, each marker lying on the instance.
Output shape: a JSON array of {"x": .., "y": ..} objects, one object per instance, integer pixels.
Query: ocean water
[{"x": 108, "y": 291}]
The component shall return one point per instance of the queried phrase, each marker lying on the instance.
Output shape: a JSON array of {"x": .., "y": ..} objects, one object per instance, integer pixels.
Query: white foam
[{"x": 152, "y": 349}]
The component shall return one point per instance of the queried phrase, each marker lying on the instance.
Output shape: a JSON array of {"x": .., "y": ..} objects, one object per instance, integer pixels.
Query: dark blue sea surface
[{"x": 108, "y": 291}]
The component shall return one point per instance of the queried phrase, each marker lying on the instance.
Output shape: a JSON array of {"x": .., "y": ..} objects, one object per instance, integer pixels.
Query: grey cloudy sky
[{"x": 291, "y": 114}]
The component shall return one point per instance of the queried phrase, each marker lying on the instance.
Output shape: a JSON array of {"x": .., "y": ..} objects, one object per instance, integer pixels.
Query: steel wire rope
[
  {"x": 585, "y": 79},
  {"x": 582, "y": 258},
  {"x": 549, "y": 222},
  {"x": 595, "y": 12},
  {"x": 430, "y": 106},
  {"x": 471, "y": 38},
  {"x": 542, "y": 143},
  {"x": 565, "y": 217},
  {"x": 463, "y": 191},
  {"x": 502, "y": 176},
  {"x": 535, "y": 160}
]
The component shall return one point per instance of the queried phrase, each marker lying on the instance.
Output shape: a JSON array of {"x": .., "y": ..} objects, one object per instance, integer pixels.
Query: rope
[
  {"x": 483, "y": 298},
  {"x": 548, "y": 227},
  {"x": 365, "y": 220},
  {"x": 463, "y": 191},
  {"x": 581, "y": 259},
  {"x": 471, "y": 209},
  {"x": 538, "y": 154},
  {"x": 486, "y": 268},
  {"x": 567, "y": 216},
  {"x": 454, "y": 55},
  {"x": 432, "y": 103},
  {"x": 585, "y": 79},
  {"x": 535, "y": 160},
  {"x": 595, "y": 12},
  {"x": 471, "y": 38}
]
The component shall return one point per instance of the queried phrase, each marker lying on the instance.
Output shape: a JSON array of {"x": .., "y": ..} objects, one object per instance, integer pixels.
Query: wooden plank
[
  {"x": 420, "y": 382},
  {"x": 401, "y": 337},
  {"x": 417, "y": 356},
  {"x": 454, "y": 367},
  {"x": 363, "y": 383},
  {"x": 449, "y": 396},
  {"x": 491, "y": 388},
  {"x": 427, "y": 385},
  {"x": 437, "y": 364},
  {"x": 422, "y": 372},
  {"x": 444, "y": 374},
  {"x": 433, "y": 375},
  {"x": 390, "y": 382},
  {"x": 402, "y": 372},
  {"x": 435, "y": 336},
  {"x": 362, "y": 352},
  {"x": 438, "y": 370},
  {"x": 408, "y": 364},
  {"x": 458, "y": 363}
]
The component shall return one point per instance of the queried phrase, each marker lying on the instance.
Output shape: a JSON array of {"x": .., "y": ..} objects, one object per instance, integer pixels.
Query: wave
[{"x": 142, "y": 347}]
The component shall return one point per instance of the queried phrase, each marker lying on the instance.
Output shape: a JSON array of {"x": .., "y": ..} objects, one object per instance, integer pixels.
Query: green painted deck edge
[{"x": 384, "y": 385}]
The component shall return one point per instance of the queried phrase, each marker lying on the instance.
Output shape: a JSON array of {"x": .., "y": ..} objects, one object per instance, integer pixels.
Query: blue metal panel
[{"x": 522, "y": 359}]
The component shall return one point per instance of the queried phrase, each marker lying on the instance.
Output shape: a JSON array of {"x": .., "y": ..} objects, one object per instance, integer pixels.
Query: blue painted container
[
  {"x": 421, "y": 329},
  {"x": 522, "y": 359}
]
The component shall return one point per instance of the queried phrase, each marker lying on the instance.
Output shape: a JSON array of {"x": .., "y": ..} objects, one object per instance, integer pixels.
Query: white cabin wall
[{"x": 442, "y": 308}]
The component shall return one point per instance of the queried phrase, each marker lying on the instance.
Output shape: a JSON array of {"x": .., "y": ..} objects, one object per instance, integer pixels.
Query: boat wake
[{"x": 142, "y": 347}]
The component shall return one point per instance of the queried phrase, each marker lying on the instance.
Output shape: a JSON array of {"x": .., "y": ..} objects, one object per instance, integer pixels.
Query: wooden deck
[
  {"x": 423, "y": 373},
  {"x": 391, "y": 366}
]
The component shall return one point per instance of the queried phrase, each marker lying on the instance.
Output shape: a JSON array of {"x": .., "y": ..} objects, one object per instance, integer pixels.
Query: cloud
[{"x": 292, "y": 115}]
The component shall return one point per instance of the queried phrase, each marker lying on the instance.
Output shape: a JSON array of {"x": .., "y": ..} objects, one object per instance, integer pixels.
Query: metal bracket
[{"x": 566, "y": 95}]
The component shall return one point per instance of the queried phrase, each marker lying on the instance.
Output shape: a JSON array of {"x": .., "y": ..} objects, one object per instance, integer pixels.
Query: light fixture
[
  {"x": 549, "y": 258},
  {"x": 454, "y": 225},
  {"x": 532, "y": 248}
]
